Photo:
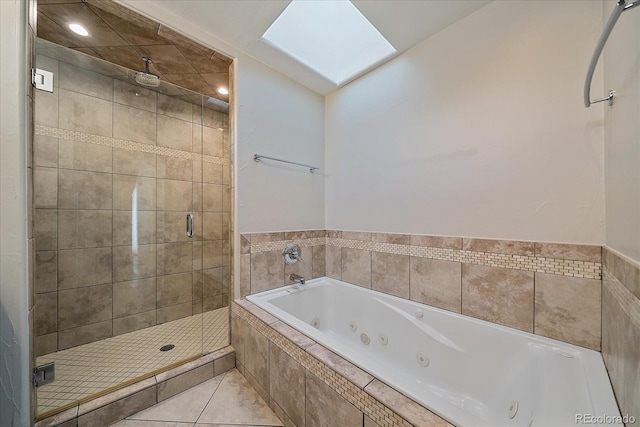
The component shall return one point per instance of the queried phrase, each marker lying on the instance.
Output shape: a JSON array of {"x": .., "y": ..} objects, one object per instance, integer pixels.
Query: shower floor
[{"x": 91, "y": 368}]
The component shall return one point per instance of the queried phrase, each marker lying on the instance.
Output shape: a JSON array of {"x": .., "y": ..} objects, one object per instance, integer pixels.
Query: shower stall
[{"x": 132, "y": 196}]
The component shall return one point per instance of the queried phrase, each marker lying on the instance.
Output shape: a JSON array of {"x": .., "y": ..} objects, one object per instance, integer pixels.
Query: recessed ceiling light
[
  {"x": 331, "y": 37},
  {"x": 78, "y": 29},
  {"x": 223, "y": 91}
]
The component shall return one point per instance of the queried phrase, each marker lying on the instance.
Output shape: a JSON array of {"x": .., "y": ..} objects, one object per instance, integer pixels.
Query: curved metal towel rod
[{"x": 620, "y": 7}]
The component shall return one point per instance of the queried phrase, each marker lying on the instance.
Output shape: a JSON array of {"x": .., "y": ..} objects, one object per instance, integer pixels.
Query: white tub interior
[{"x": 468, "y": 371}]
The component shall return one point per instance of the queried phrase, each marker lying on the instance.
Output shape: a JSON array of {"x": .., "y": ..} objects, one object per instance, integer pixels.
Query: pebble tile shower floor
[
  {"x": 225, "y": 400},
  {"x": 88, "y": 369}
]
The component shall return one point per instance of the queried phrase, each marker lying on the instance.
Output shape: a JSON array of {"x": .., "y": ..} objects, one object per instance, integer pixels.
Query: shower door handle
[{"x": 189, "y": 225}]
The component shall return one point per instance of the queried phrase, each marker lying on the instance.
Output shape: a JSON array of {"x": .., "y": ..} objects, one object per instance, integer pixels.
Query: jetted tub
[{"x": 468, "y": 371}]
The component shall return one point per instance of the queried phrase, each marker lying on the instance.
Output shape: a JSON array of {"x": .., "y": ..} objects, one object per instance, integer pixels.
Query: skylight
[{"x": 331, "y": 37}]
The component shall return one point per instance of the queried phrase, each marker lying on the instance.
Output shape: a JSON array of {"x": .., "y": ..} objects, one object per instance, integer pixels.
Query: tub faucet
[{"x": 297, "y": 279}]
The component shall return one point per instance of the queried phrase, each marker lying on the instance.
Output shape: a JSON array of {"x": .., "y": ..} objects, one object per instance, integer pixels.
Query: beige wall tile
[
  {"x": 356, "y": 235},
  {"x": 302, "y": 268},
  {"x": 84, "y": 81},
  {"x": 266, "y": 237},
  {"x": 175, "y": 168},
  {"x": 325, "y": 407},
  {"x": 498, "y": 295},
  {"x": 319, "y": 258},
  {"x": 46, "y": 344},
  {"x": 390, "y": 273},
  {"x": 368, "y": 422},
  {"x": 128, "y": 190},
  {"x": 46, "y": 271},
  {"x": 437, "y": 283},
  {"x": 213, "y": 284},
  {"x": 356, "y": 266},
  {"x": 568, "y": 309},
  {"x": 437, "y": 241},
  {"x": 226, "y": 199},
  {"x": 174, "y": 289},
  {"x": 84, "y": 113},
  {"x": 134, "y": 96},
  {"x": 245, "y": 275},
  {"x": 84, "y": 229},
  {"x": 399, "y": 239},
  {"x": 334, "y": 262},
  {"x": 212, "y": 254},
  {"x": 46, "y": 108},
  {"x": 214, "y": 119},
  {"x": 134, "y": 124},
  {"x": 174, "y": 258},
  {"x": 128, "y": 162},
  {"x": 174, "y": 107},
  {"x": 135, "y": 296},
  {"x": 224, "y": 364},
  {"x": 626, "y": 272},
  {"x": 287, "y": 384},
  {"x": 85, "y": 156},
  {"x": 124, "y": 231},
  {"x": 212, "y": 197},
  {"x": 84, "y": 306},
  {"x": 256, "y": 359},
  {"x": 174, "y": 133},
  {"x": 574, "y": 252},
  {"x": 175, "y": 195},
  {"x": 212, "y": 226},
  {"x": 45, "y": 187},
  {"x": 238, "y": 328},
  {"x": 174, "y": 312},
  {"x": 213, "y": 141},
  {"x": 84, "y": 334},
  {"x": 45, "y": 151},
  {"x": 212, "y": 173},
  {"x": 134, "y": 322},
  {"x": 172, "y": 227},
  {"x": 267, "y": 271},
  {"x": 498, "y": 246},
  {"x": 84, "y": 267},
  {"x": 45, "y": 229},
  {"x": 46, "y": 309},
  {"x": 134, "y": 263},
  {"x": 84, "y": 190}
]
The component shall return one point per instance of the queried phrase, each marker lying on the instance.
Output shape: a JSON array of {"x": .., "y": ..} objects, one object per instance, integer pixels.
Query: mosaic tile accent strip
[
  {"x": 349, "y": 391},
  {"x": 625, "y": 299},
  {"x": 70, "y": 135},
  {"x": 91, "y": 368},
  {"x": 562, "y": 267}
]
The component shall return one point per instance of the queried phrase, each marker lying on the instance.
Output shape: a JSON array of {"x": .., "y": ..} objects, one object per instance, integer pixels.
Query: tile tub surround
[
  {"x": 549, "y": 289},
  {"x": 123, "y": 402},
  {"x": 300, "y": 378},
  {"x": 98, "y": 143},
  {"x": 621, "y": 329}
]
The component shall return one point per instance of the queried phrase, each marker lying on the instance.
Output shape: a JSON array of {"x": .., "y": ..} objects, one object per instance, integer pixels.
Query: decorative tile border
[
  {"x": 88, "y": 138},
  {"x": 367, "y": 404},
  {"x": 537, "y": 264}
]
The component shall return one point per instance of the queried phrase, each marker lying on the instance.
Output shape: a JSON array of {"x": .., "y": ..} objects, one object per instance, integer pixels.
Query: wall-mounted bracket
[
  {"x": 44, "y": 374},
  {"x": 42, "y": 79}
]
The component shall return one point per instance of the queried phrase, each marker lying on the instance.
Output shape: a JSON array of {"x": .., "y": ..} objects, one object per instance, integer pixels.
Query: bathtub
[{"x": 468, "y": 371}]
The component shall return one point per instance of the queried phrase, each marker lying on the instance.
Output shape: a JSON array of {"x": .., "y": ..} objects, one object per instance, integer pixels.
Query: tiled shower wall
[
  {"x": 544, "y": 288},
  {"x": 621, "y": 329},
  {"x": 108, "y": 154}
]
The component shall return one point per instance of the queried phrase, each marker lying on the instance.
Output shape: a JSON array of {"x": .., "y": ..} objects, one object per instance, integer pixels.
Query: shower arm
[{"x": 622, "y": 6}]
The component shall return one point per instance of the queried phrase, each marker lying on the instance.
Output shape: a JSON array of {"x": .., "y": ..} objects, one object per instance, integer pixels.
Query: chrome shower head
[{"x": 146, "y": 78}]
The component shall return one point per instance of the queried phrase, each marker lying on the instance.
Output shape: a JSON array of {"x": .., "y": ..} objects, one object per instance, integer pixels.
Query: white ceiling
[{"x": 241, "y": 23}]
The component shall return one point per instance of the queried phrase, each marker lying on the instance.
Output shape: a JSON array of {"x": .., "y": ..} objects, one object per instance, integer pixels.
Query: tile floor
[
  {"x": 88, "y": 369},
  {"x": 226, "y": 400}
]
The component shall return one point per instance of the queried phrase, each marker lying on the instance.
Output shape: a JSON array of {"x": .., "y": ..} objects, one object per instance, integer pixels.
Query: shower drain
[{"x": 167, "y": 347}]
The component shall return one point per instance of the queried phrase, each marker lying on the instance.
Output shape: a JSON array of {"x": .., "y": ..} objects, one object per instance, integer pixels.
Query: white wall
[
  {"x": 15, "y": 364},
  {"x": 278, "y": 118},
  {"x": 622, "y": 133},
  {"x": 478, "y": 131}
]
